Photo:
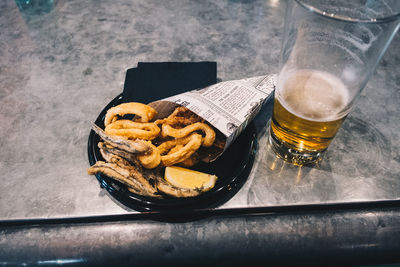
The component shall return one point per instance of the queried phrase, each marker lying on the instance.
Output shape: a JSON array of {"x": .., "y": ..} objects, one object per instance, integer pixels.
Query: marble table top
[{"x": 59, "y": 69}]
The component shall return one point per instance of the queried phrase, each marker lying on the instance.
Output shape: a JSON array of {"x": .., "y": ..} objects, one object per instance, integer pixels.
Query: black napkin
[{"x": 152, "y": 81}]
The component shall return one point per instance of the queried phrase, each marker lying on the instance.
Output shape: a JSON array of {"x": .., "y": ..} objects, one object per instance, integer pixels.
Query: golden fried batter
[
  {"x": 208, "y": 140},
  {"x": 133, "y": 130},
  {"x": 145, "y": 112},
  {"x": 190, "y": 144}
]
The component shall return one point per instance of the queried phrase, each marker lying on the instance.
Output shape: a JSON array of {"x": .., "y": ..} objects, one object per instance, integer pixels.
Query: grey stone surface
[
  {"x": 58, "y": 70},
  {"x": 317, "y": 239}
]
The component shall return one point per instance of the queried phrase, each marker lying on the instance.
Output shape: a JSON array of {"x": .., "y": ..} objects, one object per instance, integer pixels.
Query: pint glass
[{"x": 329, "y": 50}]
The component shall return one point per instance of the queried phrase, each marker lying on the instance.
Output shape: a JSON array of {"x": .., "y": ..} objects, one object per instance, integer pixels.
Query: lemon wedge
[{"x": 189, "y": 179}]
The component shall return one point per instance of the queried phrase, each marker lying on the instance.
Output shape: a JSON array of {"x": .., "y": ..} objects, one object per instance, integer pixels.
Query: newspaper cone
[{"x": 227, "y": 106}]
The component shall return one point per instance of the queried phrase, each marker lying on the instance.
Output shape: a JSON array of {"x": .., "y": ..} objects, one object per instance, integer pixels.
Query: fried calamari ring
[
  {"x": 190, "y": 161},
  {"x": 174, "y": 149},
  {"x": 151, "y": 160},
  {"x": 208, "y": 139},
  {"x": 133, "y": 130},
  {"x": 145, "y": 112},
  {"x": 190, "y": 144}
]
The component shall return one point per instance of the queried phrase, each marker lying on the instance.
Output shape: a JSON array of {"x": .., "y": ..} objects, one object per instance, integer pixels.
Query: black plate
[{"x": 232, "y": 169}]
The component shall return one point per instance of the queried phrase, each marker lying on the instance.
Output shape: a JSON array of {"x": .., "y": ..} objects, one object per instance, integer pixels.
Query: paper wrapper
[{"x": 227, "y": 106}]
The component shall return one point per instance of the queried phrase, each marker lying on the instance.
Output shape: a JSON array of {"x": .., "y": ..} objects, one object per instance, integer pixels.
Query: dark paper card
[{"x": 152, "y": 81}]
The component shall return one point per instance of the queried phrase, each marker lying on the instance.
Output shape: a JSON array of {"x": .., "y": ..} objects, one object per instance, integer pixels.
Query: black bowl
[{"x": 232, "y": 169}]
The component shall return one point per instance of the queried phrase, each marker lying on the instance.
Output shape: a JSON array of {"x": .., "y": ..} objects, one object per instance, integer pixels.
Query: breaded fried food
[
  {"x": 133, "y": 130},
  {"x": 152, "y": 159},
  {"x": 189, "y": 145},
  {"x": 125, "y": 174},
  {"x": 180, "y": 117},
  {"x": 208, "y": 140},
  {"x": 136, "y": 152},
  {"x": 131, "y": 146},
  {"x": 145, "y": 112}
]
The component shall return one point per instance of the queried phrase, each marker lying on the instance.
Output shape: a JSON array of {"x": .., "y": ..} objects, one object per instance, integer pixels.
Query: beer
[{"x": 308, "y": 110}]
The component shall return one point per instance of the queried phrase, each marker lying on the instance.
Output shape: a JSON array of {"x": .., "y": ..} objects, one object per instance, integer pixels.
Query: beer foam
[{"x": 313, "y": 95}]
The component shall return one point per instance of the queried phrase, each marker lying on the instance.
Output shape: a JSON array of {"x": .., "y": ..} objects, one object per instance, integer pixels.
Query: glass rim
[{"x": 346, "y": 18}]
